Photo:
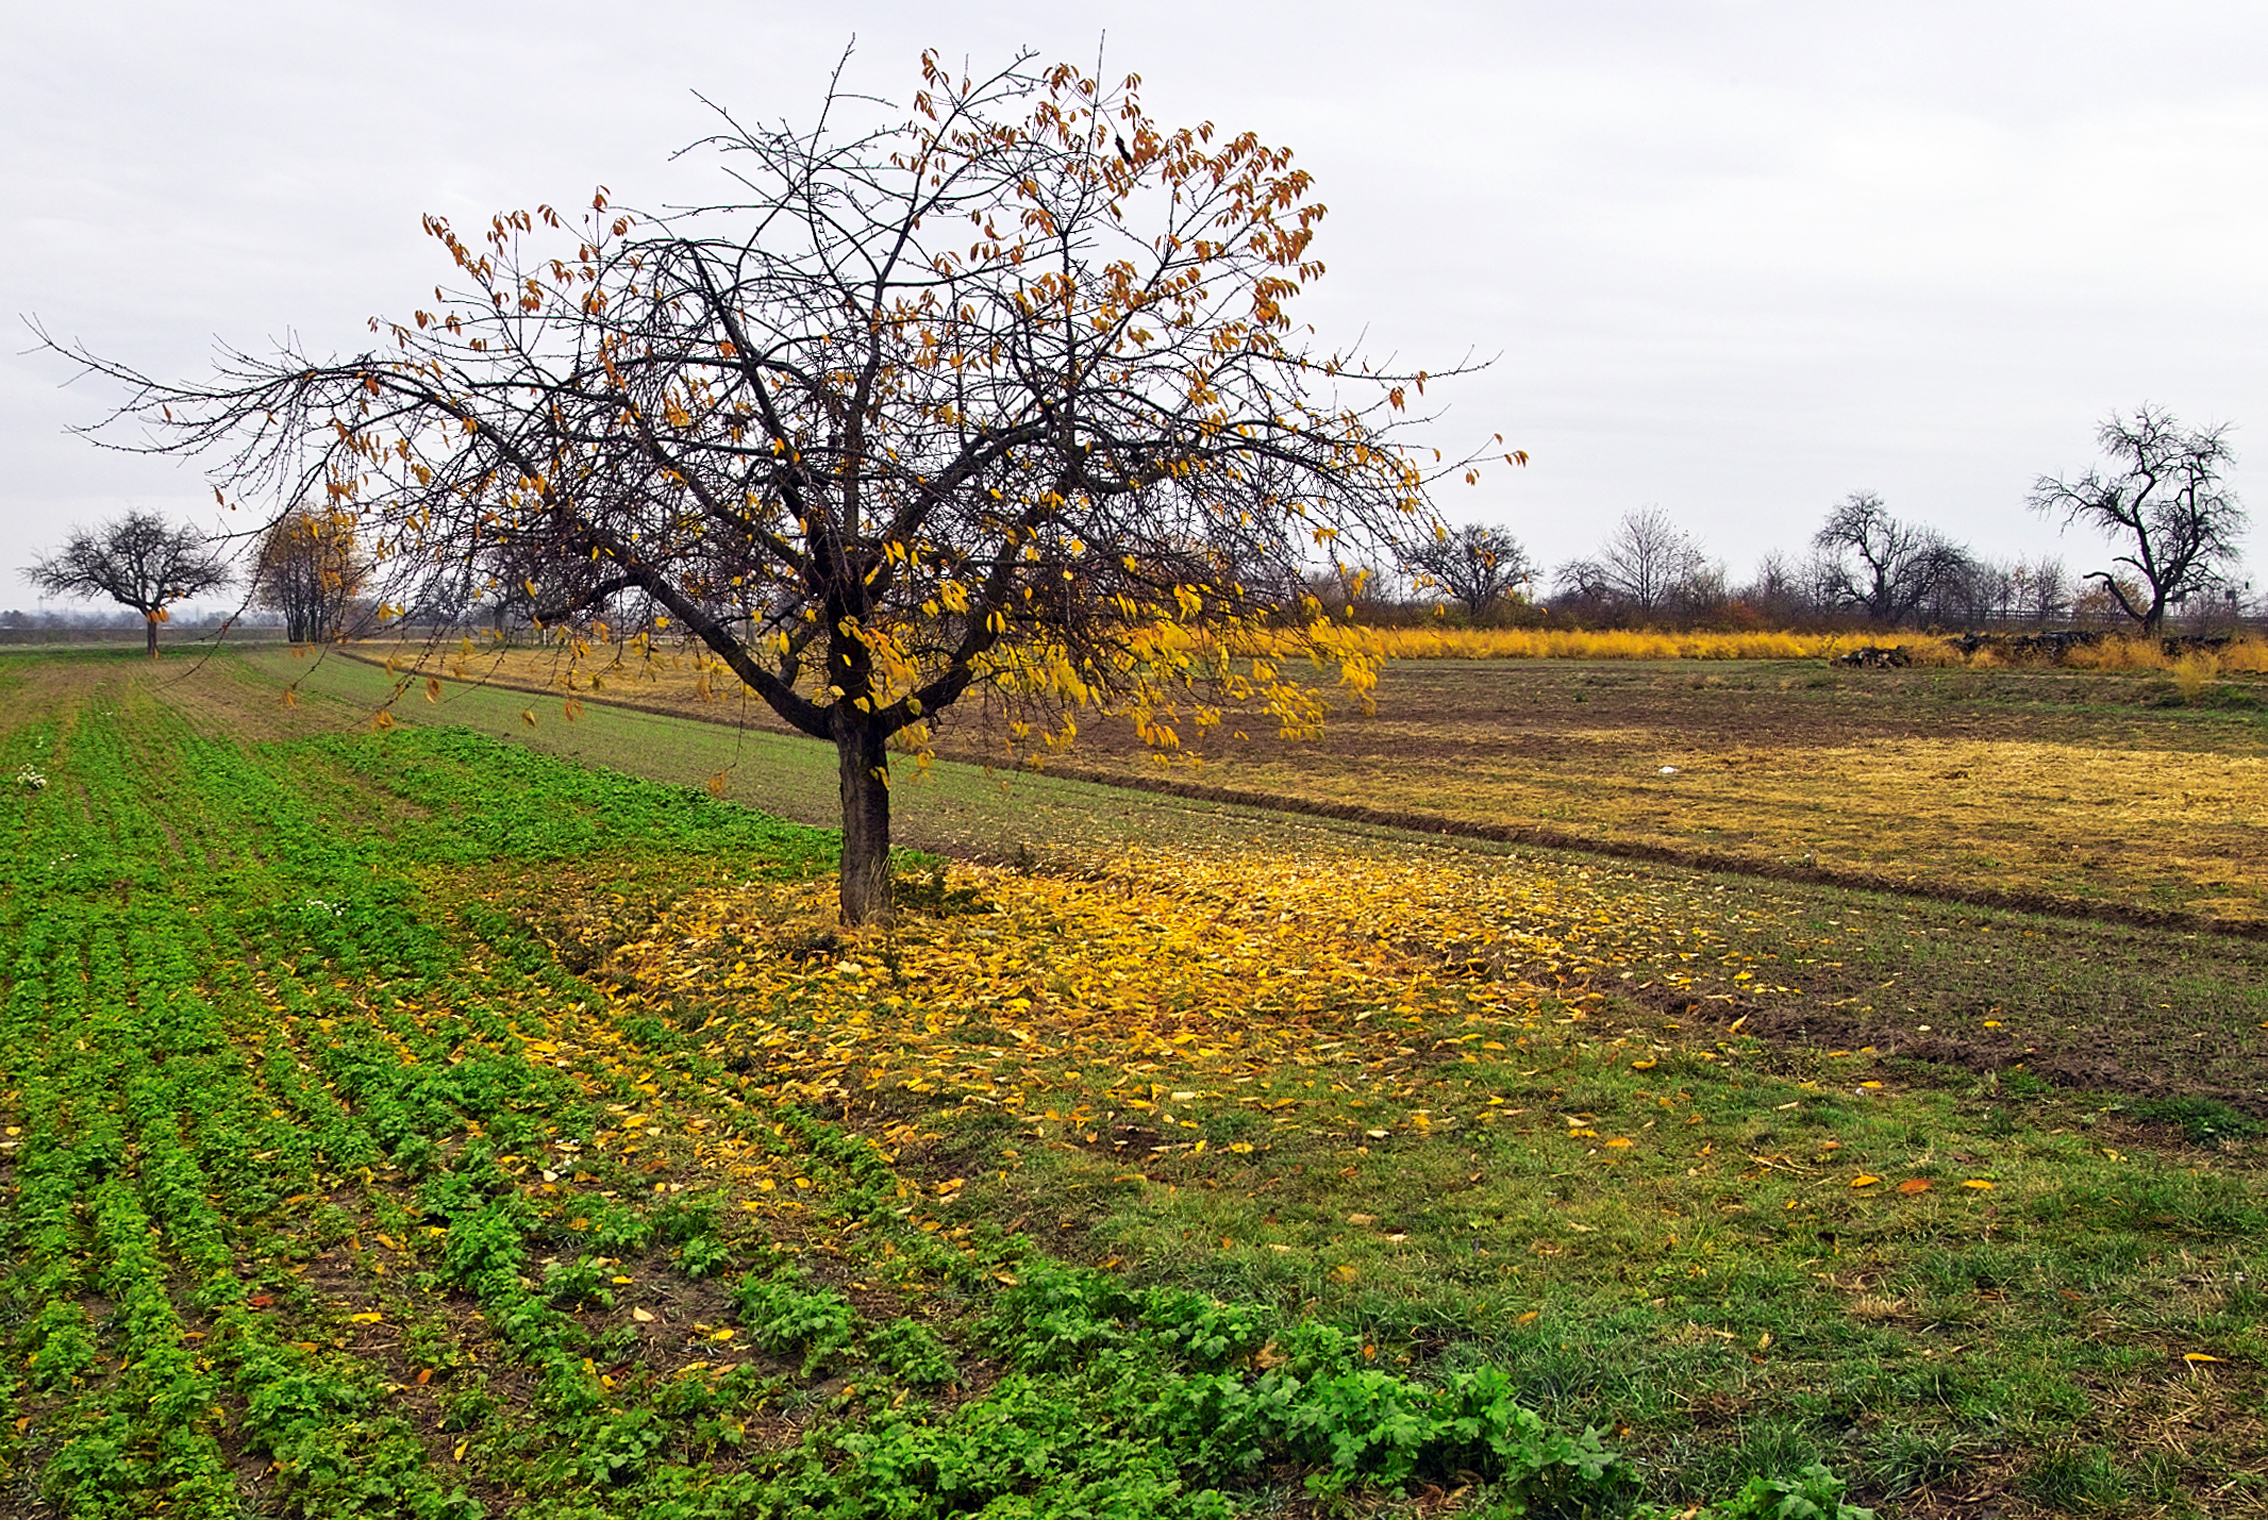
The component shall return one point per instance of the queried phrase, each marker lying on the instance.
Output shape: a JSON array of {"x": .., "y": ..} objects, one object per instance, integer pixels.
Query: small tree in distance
[
  {"x": 1880, "y": 566},
  {"x": 1645, "y": 563},
  {"x": 310, "y": 568},
  {"x": 2164, "y": 501},
  {"x": 1003, "y": 396},
  {"x": 139, "y": 561},
  {"x": 1474, "y": 564}
]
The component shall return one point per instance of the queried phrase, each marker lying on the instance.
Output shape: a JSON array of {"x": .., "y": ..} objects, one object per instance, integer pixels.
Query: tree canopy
[
  {"x": 1645, "y": 562},
  {"x": 2164, "y": 501},
  {"x": 310, "y": 567},
  {"x": 139, "y": 561},
  {"x": 1003, "y": 396},
  {"x": 1476, "y": 564},
  {"x": 1881, "y": 566}
]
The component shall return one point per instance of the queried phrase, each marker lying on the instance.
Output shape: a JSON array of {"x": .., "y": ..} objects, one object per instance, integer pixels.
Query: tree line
[{"x": 2159, "y": 500}]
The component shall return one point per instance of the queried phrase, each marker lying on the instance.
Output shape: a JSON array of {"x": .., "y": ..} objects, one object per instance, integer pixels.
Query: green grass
[{"x": 285, "y": 1045}]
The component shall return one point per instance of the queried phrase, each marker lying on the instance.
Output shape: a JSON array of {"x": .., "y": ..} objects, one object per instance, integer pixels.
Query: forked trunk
[{"x": 866, "y": 824}]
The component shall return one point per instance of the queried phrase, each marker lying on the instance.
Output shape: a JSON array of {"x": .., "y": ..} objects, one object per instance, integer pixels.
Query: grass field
[
  {"x": 414, "y": 1122},
  {"x": 2134, "y": 790}
]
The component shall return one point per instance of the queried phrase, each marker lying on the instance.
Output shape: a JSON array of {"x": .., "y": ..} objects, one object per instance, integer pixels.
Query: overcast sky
[{"x": 1734, "y": 259}]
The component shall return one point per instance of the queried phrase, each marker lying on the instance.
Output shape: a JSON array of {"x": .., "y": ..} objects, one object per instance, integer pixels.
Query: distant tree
[
  {"x": 1643, "y": 566},
  {"x": 2164, "y": 501},
  {"x": 1475, "y": 564},
  {"x": 310, "y": 567},
  {"x": 1882, "y": 567},
  {"x": 1788, "y": 592},
  {"x": 1002, "y": 395},
  {"x": 139, "y": 561},
  {"x": 2033, "y": 591}
]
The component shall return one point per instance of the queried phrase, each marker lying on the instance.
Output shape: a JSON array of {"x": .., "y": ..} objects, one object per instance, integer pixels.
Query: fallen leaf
[
  {"x": 1864, "y": 1180},
  {"x": 1979, "y": 1183},
  {"x": 1914, "y": 1185},
  {"x": 642, "y": 1316}
]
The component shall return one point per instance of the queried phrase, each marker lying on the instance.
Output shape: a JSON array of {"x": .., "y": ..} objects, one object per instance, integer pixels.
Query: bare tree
[
  {"x": 1787, "y": 591},
  {"x": 1642, "y": 566},
  {"x": 2033, "y": 590},
  {"x": 1002, "y": 396},
  {"x": 310, "y": 567},
  {"x": 1475, "y": 564},
  {"x": 1882, "y": 567},
  {"x": 2163, "y": 501},
  {"x": 139, "y": 561}
]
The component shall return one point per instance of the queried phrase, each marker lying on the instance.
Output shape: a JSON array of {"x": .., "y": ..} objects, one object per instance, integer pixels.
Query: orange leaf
[{"x": 1914, "y": 1185}]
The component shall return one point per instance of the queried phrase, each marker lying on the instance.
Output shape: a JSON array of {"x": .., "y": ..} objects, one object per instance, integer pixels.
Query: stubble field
[{"x": 419, "y": 1122}]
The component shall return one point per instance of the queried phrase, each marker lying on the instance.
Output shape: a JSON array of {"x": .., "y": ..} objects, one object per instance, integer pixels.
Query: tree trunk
[
  {"x": 864, "y": 763},
  {"x": 150, "y": 622}
]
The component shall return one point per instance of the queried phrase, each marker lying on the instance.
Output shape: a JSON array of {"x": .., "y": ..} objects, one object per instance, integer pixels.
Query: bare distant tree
[
  {"x": 1788, "y": 591},
  {"x": 139, "y": 561},
  {"x": 1475, "y": 564},
  {"x": 2164, "y": 501},
  {"x": 310, "y": 567},
  {"x": 1643, "y": 565},
  {"x": 1882, "y": 567},
  {"x": 2034, "y": 590}
]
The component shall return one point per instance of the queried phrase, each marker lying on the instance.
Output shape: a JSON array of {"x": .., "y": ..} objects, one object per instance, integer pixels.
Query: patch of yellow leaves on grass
[{"x": 1193, "y": 969}]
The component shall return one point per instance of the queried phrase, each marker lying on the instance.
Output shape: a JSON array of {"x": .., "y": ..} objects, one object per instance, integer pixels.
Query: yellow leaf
[
  {"x": 725, "y": 1334},
  {"x": 642, "y": 1316},
  {"x": 1645, "y": 1065},
  {"x": 1528, "y": 1318},
  {"x": 2198, "y": 1356},
  {"x": 1864, "y": 1180},
  {"x": 1618, "y": 1143},
  {"x": 367, "y": 1319},
  {"x": 1978, "y": 1183}
]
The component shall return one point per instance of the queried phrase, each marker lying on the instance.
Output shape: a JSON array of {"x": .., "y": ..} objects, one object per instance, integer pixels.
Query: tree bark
[
  {"x": 864, "y": 763},
  {"x": 150, "y": 621}
]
